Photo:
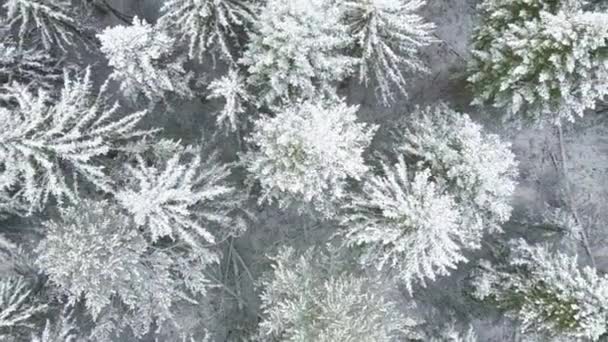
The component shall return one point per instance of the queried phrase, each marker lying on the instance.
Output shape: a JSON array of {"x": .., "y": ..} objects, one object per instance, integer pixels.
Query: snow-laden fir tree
[
  {"x": 94, "y": 253},
  {"x": 52, "y": 21},
  {"x": 307, "y": 152},
  {"x": 30, "y": 67},
  {"x": 18, "y": 307},
  {"x": 305, "y": 298},
  {"x": 476, "y": 168},
  {"x": 415, "y": 219},
  {"x": 208, "y": 26},
  {"x": 388, "y": 36},
  {"x": 144, "y": 62},
  {"x": 405, "y": 222},
  {"x": 186, "y": 196},
  {"x": 544, "y": 60},
  {"x": 232, "y": 89},
  {"x": 548, "y": 292},
  {"x": 296, "y": 50},
  {"x": 47, "y": 147}
]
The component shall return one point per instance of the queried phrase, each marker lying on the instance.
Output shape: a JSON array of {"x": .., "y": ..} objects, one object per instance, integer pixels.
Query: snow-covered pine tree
[
  {"x": 186, "y": 196},
  {"x": 305, "y": 154},
  {"x": 208, "y": 26},
  {"x": 31, "y": 67},
  {"x": 296, "y": 50},
  {"x": 388, "y": 36},
  {"x": 52, "y": 21},
  {"x": 232, "y": 89},
  {"x": 144, "y": 62},
  {"x": 94, "y": 253},
  {"x": 18, "y": 307},
  {"x": 541, "y": 59},
  {"x": 548, "y": 292},
  {"x": 414, "y": 220},
  {"x": 476, "y": 168},
  {"x": 405, "y": 223},
  {"x": 305, "y": 298},
  {"x": 47, "y": 147}
]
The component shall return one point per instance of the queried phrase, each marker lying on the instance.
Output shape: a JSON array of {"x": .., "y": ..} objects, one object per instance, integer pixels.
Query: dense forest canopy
[{"x": 303, "y": 170}]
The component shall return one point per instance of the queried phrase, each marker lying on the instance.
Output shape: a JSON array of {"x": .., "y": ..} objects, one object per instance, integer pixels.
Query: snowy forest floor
[{"x": 541, "y": 179}]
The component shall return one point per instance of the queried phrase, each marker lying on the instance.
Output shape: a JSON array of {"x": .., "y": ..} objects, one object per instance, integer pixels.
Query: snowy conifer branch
[
  {"x": 307, "y": 152},
  {"x": 185, "y": 196},
  {"x": 36, "y": 69},
  {"x": 52, "y": 20},
  {"x": 46, "y": 147},
  {"x": 144, "y": 61},
  {"x": 63, "y": 329},
  {"x": 232, "y": 89},
  {"x": 207, "y": 26},
  {"x": 388, "y": 35},
  {"x": 18, "y": 307}
]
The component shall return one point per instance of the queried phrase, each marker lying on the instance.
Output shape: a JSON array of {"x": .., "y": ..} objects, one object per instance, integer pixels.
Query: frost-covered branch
[
  {"x": 208, "y": 26},
  {"x": 144, "y": 62},
  {"x": 232, "y": 89},
  {"x": 36, "y": 69},
  {"x": 63, "y": 329},
  {"x": 183, "y": 197},
  {"x": 48, "y": 147},
  {"x": 388, "y": 36},
  {"x": 51, "y": 20},
  {"x": 18, "y": 307}
]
